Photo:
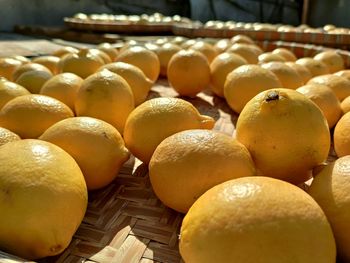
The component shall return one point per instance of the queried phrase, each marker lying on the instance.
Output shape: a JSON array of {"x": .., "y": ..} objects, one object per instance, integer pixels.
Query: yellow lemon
[
  {"x": 286, "y": 134},
  {"x": 137, "y": 80},
  {"x": 175, "y": 179},
  {"x": 7, "y": 136},
  {"x": 94, "y": 144},
  {"x": 43, "y": 195},
  {"x": 63, "y": 87},
  {"x": 154, "y": 120},
  {"x": 256, "y": 220},
  {"x": 10, "y": 90},
  {"x": 106, "y": 96},
  {"x": 30, "y": 115},
  {"x": 330, "y": 188}
]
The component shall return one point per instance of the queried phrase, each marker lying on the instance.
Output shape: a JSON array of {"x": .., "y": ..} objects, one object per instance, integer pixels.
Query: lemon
[
  {"x": 286, "y": 134},
  {"x": 316, "y": 67},
  {"x": 332, "y": 59},
  {"x": 137, "y": 80},
  {"x": 94, "y": 144},
  {"x": 246, "y": 81},
  {"x": 256, "y": 220},
  {"x": 154, "y": 120},
  {"x": 84, "y": 63},
  {"x": 106, "y": 96},
  {"x": 30, "y": 115},
  {"x": 8, "y": 66},
  {"x": 288, "y": 76},
  {"x": 51, "y": 62},
  {"x": 325, "y": 99},
  {"x": 63, "y": 87},
  {"x": 7, "y": 136},
  {"x": 287, "y": 54},
  {"x": 43, "y": 195},
  {"x": 199, "y": 160},
  {"x": 142, "y": 58},
  {"x": 341, "y": 136},
  {"x": 188, "y": 72},
  {"x": 330, "y": 188},
  {"x": 340, "y": 85},
  {"x": 33, "y": 80},
  {"x": 10, "y": 90},
  {"x": 220, "y": 67}
]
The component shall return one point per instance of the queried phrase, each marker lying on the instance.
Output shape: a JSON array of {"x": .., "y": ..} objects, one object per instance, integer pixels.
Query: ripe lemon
[
  {"x": 29, "y": 67},
  {"x": 330, "y": 188},
  {"x": 242, "y": 39},
  {"x": 287, "y": 54},
  {"x": 220, "y": 67},
  {"x": 30, "y": 115},
  {"x": 206, "y": 49},
  {"x": 165, "y": 53},
  {"x": 256, "y": 220},
  {"x": 137, "y": 80},
  {"x": 188, "y": 72},
  {"x": 286, "y": 134},
  {"x": 94, "y": 144},
  {"x": 246, "y": 81},
  {"x": 61, "y": 52},
  {"x": 332, "y": 59},
  {"x": 21, "y": 59},
  {"x": 246, "y": 51},
  {"x": 344, "y": 73},
  {"x": 341, "y": 136},
  {"x": 8, "y": 66},
  {"x": 303, "y": 71},
  {"x": 345, "y": 105},
  {"x": 175, "y": 179},
  {"x": 269, "y": 57},
  {"x": 33, "y": 80},
  {"x": 142, "y": 58},
  {"x": 7, "y": 136},
  {"x": 104, "y": 56},
  {"x": 222, "y": 45},
  {"x": 109, "y": 50},
  {"x": 154, "y": 120},
  {"x": 325, "y": 99},
  {"x": 84, "y": 63},
  {"x": 43, "y": 195},
  {"x": 10, "y": 90},
  {"x": 340, "y": 85},
  {"x": 63, "y": 87},
  {"x": 316, "y": 67},
  {"x": 288, "y": 76},
  {"x": 51, "y": 62},
  {"x": 106, "y": 96}
]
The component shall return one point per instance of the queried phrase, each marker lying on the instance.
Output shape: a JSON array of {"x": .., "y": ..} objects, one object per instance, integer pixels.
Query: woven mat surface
[{"x": 125, "y": 222}]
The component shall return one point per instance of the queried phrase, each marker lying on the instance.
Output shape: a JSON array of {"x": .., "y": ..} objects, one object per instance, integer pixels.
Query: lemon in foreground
[
  {"x": 154, "y": 120},
  {"x": 7, "y": 136},
  {"x": 286, "y": 134},
  {"x": 96, "y": 146},
  {"x": 43, "y": 195},
  {"x": 256, "y": 220},
  {"x": 199, "y": 160},
  {"x": 330, "y": 188},
  {"x": 341, "y": 136}
]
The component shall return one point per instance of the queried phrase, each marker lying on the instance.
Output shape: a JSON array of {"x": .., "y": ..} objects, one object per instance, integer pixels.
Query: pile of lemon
[{"x": 70, "y": 120}]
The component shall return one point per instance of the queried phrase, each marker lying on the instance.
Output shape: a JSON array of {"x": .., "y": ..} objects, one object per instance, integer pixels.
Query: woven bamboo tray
[
  {"x": 117, "y": 26},
  {"x": 325, "y": 39}
]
